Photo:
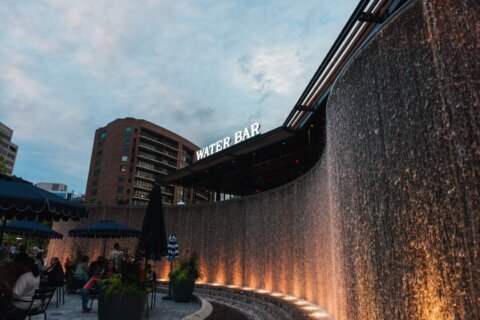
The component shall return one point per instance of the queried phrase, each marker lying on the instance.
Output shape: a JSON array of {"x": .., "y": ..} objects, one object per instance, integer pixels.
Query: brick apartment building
[
  {"x": 128, "y": 154},
  {"x": 8, "y": 149}
]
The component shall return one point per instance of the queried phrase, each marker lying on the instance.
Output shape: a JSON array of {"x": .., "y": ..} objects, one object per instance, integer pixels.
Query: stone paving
[{"x": 72, "y": 309}]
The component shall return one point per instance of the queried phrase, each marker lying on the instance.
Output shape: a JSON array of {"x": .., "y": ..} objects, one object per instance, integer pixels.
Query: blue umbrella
[
  {"x": 31, "y": 229},
  {"x": 104, "y": 229},
  {"x": 172, "y": 248},
  {"x": 21, "y": 199},
  {"x": 172, "y": 254}
]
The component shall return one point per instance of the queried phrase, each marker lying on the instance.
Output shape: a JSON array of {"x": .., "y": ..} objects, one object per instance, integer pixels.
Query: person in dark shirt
[
  {"x": 96, "y": 267},
  {"x": 54, "y": 273}
]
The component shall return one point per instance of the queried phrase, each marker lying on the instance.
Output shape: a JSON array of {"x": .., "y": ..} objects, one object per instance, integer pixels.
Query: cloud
[
  {"x": 202, "y": 70},
  {"x": 270, "y": 69}
]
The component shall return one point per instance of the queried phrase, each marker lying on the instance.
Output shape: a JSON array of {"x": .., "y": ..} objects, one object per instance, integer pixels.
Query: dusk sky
[{"x": 202, "y": 69}]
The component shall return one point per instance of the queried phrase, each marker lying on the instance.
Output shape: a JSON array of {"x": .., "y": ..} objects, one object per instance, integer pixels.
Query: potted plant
[
  {"x": 184, "y": 276},
  {"x": 123, "y": 296}
]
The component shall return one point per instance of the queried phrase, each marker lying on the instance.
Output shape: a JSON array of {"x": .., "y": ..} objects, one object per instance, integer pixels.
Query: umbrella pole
[
  {"x": 104, "y": 247},
  {"x": 169, "y": 297},
  {"x": 3, "y": 229}
]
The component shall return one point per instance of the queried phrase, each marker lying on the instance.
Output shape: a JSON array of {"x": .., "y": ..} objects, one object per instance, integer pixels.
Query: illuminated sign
[{"x": 224, "y": 143}]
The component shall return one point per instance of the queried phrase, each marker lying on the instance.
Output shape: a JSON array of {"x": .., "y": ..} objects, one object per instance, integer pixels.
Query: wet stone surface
[{"x": 72, "y": 309}]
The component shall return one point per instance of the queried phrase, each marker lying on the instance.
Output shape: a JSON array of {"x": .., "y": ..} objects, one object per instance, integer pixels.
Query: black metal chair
[
  {"x": 44, "y": 295},
  {"x": 93, "y": 293},
  {"x": 58, "y": 282}
]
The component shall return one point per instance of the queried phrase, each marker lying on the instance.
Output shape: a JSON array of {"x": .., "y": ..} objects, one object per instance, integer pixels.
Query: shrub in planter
[
  {"x": 123, "y": 296},
  {"x": 184, "y": 276}
]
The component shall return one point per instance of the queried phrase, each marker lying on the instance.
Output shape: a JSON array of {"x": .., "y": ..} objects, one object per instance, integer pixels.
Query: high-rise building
[
  {"x": 59, "y": 189},
  {"x": 8, "y": 149},
  {"x": 128, "y": 154}
]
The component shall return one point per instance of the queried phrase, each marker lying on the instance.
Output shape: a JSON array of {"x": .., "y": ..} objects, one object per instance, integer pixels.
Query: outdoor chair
[
  {"x": 44, "y": 295},
  {"x": 58, "y": 282},
  {"x": 75, "y": 282},
  {"x": 93, "y": 293}
]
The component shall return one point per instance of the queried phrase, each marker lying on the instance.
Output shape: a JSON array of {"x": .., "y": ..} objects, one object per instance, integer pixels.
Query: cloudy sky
[{"x": 203, "y": 69}]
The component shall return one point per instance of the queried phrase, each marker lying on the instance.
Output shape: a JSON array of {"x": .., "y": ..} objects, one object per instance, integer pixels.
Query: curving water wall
[
  {"x": 404, "y": 163},
  {"x": 386, "y": 225}
]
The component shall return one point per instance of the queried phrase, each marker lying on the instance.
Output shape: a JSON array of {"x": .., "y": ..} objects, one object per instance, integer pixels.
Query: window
[
  {"x": 103, "y": 134},
  {"x": 99, "y": 153},
  {"x": 121, "y": 178},
  {"x": 98, "y": 162},
  {"x": 128, "y": 190},
  {"x": 95, "y": 182},
  {"x": 128, "y": 129},
  {"x": 124, "y": 158},
  {"x": 120, "y": 189},
  {"x": 96, "y": 172},
  {"x": 127, "y": 138},
  {"x": 125, "y": 149},
  {"x": 123, "y": 168},
  {"x": 94, "y": 192}
]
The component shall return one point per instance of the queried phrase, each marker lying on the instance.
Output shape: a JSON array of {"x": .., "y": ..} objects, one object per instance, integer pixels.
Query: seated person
[
  {"x": 106, "y": 273},
  {"x": 81, "y": 270},
  {"x": 39, "y": 263},
  {"x": 23, "y": 290},
  {"x": 96, "y": 267},
  {"x": 54, "y": 273}
]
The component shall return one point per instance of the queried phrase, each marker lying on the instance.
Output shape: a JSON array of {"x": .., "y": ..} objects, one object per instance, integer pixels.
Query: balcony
[
  {"x": 158, "y": 140},
  {"x": 158, "y": 160},
  {"x": 157, "y": 150},
  {"x": 153, "y": 168}
]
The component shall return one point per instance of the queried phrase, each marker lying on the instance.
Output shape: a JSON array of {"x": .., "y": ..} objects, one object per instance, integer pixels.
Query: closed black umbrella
[
  {"x": 104, "y": 229},
  {"x": 20, "y": 199},
  {"x": 153, "y": 237}
]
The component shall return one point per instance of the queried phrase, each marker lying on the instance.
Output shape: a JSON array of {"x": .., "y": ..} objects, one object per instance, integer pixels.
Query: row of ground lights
[{"x": 316, "y": 311}]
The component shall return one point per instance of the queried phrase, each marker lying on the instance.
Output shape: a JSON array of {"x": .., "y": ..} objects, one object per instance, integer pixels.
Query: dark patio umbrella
[
  {"x": 31, "y": 229},
  {"x": 22, "y": 200},
  {"x": 153, "y": 238},
  {"x": 104, "y": 229}
]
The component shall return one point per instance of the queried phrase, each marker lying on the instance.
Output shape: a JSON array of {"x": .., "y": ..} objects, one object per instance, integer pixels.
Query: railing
[
  {"x": 157, "y": 149},
  {"x": 367, "y": 15},
  {"x": 159, "y": 140}
]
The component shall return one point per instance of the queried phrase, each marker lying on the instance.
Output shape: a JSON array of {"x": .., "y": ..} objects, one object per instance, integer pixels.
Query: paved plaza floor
[{"x": 72, "y": 309}]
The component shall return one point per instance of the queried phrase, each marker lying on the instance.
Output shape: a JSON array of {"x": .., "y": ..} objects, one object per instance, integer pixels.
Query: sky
[{"x": 202, "y": 69}]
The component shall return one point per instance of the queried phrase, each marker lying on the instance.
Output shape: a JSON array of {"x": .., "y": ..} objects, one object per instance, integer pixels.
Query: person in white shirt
[
  {"x": 24, "y": 288},
  {"x": 116, "y": 254}
]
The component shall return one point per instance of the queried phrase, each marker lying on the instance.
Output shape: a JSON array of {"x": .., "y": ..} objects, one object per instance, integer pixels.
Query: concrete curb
[{"x": 204, "y": 312}]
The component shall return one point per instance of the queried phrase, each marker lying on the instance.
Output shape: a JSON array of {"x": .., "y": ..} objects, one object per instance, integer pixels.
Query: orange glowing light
[
  {"x": 233, "y": 286},
  {"x": 263, "y": 291},
  {"x": 289, "y": 298},
  {"x": 310, "y": 308},
  {"x": 319, "y": 315},
  {"x": 301, "y": 302},
  {"x": 277, "y": 294}
]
